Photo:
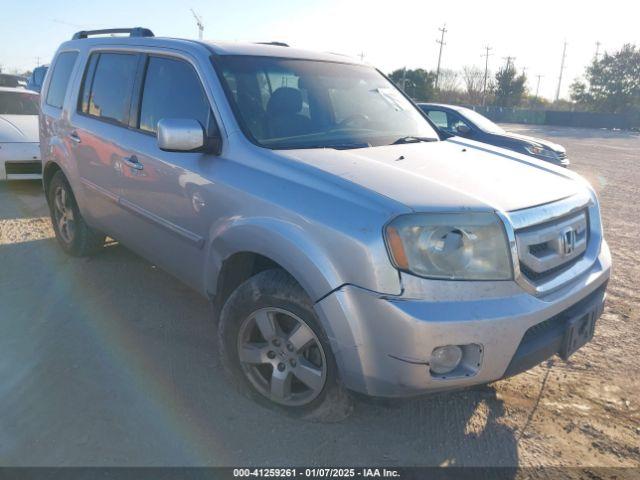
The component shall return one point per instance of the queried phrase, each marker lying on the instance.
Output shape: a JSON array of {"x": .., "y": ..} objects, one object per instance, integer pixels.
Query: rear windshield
[
  {"x": 18, "y": 103},
  {"x": 287, "y": 103}
]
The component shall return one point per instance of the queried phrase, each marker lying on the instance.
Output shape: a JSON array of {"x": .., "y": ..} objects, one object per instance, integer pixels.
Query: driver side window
[
  {"x": 447, "y": 121},
  {"x": 439, "y": 118}
]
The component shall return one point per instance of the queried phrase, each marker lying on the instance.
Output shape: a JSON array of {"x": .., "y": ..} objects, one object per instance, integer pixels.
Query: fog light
[{"x": 445, "y": 359}]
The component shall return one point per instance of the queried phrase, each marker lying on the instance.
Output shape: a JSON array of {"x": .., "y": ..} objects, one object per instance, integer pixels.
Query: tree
[
  {"x": 418, "y": 83},
  {"x": 509, "y": 86},
  {"x": 448, "y": 80},
  {"x": 612, "y": 83},
  {"x": 473, "y": 78}
]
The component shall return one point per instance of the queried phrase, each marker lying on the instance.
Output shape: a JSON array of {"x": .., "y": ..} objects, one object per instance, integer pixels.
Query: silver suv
[{"x": 344, "y": 245}]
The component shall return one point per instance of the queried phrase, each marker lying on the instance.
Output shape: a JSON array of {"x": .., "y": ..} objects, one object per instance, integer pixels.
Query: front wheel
[{"x": 275, "y": 350}]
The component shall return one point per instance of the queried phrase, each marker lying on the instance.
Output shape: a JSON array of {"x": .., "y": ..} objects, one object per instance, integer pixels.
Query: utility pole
[
  {"x": 361, "y": 56},
  {"x": 538, "y": 84},
  {"x": 404, "y": 79},
  {"x": 509, "y": 60},
  {"x": 37, "y": 61},
  {"x": 486, "y": 55},
  {"x": 597, "y": 55},
  {"x": 564, "y": 55},
  {"x": 199, "y": 23},
  {"x": 442, "y": 30}
]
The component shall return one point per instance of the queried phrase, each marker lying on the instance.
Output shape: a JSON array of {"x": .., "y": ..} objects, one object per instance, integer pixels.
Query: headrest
[{"x": 285, "y": 100}]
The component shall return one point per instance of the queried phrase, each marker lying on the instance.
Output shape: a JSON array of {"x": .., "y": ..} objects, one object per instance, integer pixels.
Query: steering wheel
[{"x": 356, "y": 118}]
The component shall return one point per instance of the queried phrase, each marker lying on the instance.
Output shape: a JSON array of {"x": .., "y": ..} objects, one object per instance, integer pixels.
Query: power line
[
  {"x": 486, "y": 55},
  {"x": 564, "y": 55},
  {"x": 443, "y": 30}
]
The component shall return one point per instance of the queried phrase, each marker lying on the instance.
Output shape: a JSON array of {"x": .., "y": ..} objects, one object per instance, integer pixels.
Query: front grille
[
  {"x": 547, "y": 249},
  {"x": 547, "y": 274},
  {"x": 23, "y": 168}
]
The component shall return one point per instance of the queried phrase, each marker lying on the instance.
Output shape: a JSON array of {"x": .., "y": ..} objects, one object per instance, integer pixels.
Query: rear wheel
[
  {"x": 73, "y": 234},
  {"x": 276, "y": 352}
]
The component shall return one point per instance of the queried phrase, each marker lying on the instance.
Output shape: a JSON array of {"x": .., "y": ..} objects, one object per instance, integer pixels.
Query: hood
[
  {"x": 19, "y": 128},
  {"x": 533, "y": 140},
  {"x": 446, "y": 175}
]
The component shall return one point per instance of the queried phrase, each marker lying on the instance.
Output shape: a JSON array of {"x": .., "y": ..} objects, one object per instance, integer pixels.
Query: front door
[{"x": 168, "y": 199}]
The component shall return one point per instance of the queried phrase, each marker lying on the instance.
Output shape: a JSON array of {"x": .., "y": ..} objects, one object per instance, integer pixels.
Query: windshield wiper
[
  {"x": 413, "y": 139},
  {"x": 338, "y": 146}
]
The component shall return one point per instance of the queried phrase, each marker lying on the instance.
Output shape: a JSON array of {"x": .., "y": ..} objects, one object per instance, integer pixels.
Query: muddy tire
[{"x": 274, "y": 350}]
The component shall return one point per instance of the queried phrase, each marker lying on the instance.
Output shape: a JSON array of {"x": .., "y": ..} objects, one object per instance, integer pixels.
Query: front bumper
[
  {"x": 20, "y": 161},
  {"x": 383, "y": 344}
]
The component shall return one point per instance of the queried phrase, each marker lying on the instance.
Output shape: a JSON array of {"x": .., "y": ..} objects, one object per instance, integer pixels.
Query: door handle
[
  {"x": 73, "y": 136},
  {"x": 132, "y": 162}
]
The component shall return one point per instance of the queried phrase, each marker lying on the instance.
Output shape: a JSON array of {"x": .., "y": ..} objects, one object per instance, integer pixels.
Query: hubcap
[
  {"x": 63, "y": 214},
  {"x": 282, "y": 357}
]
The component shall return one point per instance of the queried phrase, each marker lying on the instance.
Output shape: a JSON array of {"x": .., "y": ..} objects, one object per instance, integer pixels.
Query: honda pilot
[{"x": 345, "y": 246}]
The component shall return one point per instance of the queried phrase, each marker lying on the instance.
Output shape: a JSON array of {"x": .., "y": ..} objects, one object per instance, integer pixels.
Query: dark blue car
[
  {"x": 37, "y": 78},
  {"x": 463, "y": 122}
]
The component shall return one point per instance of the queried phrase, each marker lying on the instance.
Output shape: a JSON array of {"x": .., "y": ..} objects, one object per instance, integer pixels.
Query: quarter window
[
  {"x": 109, "y": 80},
  {"x": 172, "y": 89},
  {"x": 60, "y": 78}
]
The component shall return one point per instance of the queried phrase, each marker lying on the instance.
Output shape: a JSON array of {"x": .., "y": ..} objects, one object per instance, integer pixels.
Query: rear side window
[
  {"x": 107, "y": 86},
  {"x": 60, "y": 78},
  {"x": 172, "y": 89}
]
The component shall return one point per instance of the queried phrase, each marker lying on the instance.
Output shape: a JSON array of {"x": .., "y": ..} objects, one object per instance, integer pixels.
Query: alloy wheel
[
  {"x": 282, "y": 357},
  {"x": 63, "y": 214}
]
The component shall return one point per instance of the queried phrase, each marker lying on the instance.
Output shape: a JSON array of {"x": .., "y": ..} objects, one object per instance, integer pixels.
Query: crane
[{"x": 199, "y": 23}]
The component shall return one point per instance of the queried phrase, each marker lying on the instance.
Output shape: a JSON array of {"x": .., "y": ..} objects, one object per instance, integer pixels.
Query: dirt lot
[{"x": 110, "y": 361}]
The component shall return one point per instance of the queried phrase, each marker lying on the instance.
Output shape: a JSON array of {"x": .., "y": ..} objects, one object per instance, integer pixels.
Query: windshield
[
  {"x": 284, "y": 103},
  {"x": 18, "y": 103},
  {"x": 480, "y": 121}
]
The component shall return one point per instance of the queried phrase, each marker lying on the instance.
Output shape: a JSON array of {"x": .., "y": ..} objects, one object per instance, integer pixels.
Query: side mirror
[
  {"x": 185, "y": 135},
  {"x": 463, "y": 129}
]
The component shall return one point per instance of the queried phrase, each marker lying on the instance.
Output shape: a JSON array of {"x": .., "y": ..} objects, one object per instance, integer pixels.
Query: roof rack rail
[
  {"x": 277, "y": 44},
  {"x": 133, "y": 32}
]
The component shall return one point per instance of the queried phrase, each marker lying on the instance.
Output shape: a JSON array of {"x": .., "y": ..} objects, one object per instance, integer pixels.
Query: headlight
[
  {"x": 453, "y": 246},
  {"x": 541, "y": 151}
]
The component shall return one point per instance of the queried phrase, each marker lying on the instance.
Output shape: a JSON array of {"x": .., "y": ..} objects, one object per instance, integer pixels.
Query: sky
[{"x": 390, "y": 34}]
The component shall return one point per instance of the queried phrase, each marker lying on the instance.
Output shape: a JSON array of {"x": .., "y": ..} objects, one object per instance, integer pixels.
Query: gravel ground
[{"x": 110, "y": 361}]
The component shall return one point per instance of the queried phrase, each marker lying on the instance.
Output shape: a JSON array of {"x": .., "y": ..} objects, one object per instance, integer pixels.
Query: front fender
[{"x": 285, "y": 243}]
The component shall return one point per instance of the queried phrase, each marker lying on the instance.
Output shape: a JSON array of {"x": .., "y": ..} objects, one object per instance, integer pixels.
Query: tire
[
  {"x": 275, "y": 295},
  {"x": 73, "y": 234}
]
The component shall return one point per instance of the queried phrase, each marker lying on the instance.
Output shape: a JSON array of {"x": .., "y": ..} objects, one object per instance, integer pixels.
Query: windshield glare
[
  {"x": 285, "y": 103},
  {"x": 482, "y": 122},
  {"x": 18, "y": 103}
]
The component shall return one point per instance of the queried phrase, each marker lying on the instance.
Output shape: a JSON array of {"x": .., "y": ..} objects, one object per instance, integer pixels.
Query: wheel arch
[
  {"x": 49, "y": 170},
  {"x": 245, "y": 247}
]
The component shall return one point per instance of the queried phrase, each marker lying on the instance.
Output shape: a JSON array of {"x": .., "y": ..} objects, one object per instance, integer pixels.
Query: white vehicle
[{"x": 19, "y": 143}]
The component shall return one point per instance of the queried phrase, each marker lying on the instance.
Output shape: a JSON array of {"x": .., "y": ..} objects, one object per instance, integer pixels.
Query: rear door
[
  {"x": 99, "y": 122},
  {"x": 169, "y": 202}
]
